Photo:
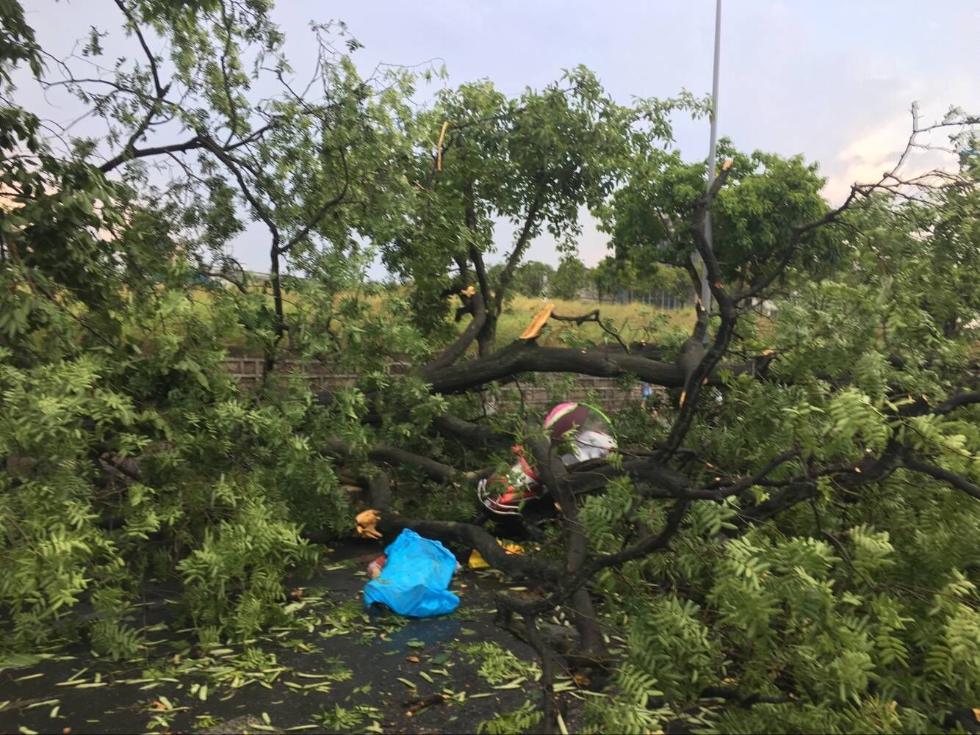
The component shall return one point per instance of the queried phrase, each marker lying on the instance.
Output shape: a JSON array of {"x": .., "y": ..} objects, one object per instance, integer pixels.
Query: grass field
[{"x": 634, "y": 322}]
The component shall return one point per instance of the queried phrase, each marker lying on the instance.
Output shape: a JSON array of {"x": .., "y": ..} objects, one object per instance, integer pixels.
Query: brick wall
[
  {"x": 540, "y": 392},
  {"x": 248, "y": 371},
  {"x": 546, "y": 390}
]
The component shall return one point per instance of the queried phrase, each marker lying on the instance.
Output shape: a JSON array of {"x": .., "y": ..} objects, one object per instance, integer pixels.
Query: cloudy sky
[{"x": 831, "y": 79}]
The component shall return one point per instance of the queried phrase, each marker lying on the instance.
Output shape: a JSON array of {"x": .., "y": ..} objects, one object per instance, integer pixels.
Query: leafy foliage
[
  {"x": 523, "y": 719},
  {"x": 752, "y": 218},
  {"x": 498, "y": 665},
  {"x": 821, "y": 576}
]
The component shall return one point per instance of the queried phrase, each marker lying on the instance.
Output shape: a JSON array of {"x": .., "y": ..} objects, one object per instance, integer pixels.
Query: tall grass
[{"x": 634, "y": 322}]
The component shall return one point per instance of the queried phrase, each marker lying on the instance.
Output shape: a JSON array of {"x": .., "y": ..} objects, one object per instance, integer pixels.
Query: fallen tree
[
  {"x": 775, "y": 488},
  {"x": 787, "y": 542}
]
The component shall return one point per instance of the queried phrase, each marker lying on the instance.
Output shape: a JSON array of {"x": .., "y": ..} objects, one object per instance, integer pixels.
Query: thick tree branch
[
  {"x": 938, "y": 473},
  {"x": 652, "y": 478},
  {"x": 487, "y": 330},
  {"x": 740, "y": 486},
  {"x": 554, "y": 476},
  {"x": 792, "y": 492},
  {"x": 697, "y": 376},
  {"x": 469, "y": 432},
  {"x": 523, "y": 240},
  {"x": 472, "y": 537},
  {"x": 526, "y": 356},
  {"x": 569, "y": 584},
  {"x": 394, "y": 455},
  {"x": 549, "y": 704},
  {"x": 456, "y": 350},
  {"x": 523, "y": 356},
  {"x": 922, "y": 407}
]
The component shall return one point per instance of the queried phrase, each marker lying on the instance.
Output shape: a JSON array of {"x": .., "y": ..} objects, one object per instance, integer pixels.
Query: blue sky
[{"x": 831, "y": 79}]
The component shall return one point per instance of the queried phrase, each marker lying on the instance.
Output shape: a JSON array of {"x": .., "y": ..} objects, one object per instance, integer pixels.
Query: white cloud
[
  {"x": 877, "y": 150},
  {"x": 867, "y": 156}
]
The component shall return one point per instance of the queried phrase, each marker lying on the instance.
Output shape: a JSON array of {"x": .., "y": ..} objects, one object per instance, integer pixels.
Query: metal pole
[{"x": 705, "y": 288}]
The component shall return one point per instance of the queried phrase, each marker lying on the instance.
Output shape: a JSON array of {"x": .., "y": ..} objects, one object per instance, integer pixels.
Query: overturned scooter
[{"x": 580, "y": 431}]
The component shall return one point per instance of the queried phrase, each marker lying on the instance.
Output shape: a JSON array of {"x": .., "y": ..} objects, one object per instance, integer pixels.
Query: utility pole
[{"x": 705, "y": 288}]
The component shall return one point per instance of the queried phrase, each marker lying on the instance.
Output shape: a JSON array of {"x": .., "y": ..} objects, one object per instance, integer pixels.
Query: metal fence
[{"x": 658, "y": 299}]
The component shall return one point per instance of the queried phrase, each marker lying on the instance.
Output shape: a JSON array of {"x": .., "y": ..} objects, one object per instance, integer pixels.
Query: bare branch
[
  {"x": 394, "y": 455},
  {"x": 890, "y": 181},
  {"x": 525, "y": 356},
  {"x": 645, "y": 546},
  {"x": 745, "y": 483},
  {"x": 593, "y": 316},
  {"x": 161, "y": 90},
  {"x": 794, "y": 242},
  {"x": 322, "y": 211},
  {"x": 129, "y": 153},
  {"x": 474, "y": 537},
  {"x": 251, "y": 137},
  {"x": 474, "y": 434}
]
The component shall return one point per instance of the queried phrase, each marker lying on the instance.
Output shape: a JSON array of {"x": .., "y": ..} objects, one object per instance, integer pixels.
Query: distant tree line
[{"x": 613, "y": 279}]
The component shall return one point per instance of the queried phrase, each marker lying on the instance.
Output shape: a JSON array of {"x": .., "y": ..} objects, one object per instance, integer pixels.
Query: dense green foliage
[
  {"x": 858, "y": 610},
  {"x": 835, "y": 592},
  {"x": 753, "y": 217}
]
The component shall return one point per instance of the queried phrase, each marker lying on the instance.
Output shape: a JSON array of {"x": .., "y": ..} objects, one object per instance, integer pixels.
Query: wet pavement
[{"x": 335, "y": 668}]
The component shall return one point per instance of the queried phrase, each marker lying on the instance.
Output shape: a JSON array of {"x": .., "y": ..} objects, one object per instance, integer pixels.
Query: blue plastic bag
[{"x": 415, "y": 579}]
